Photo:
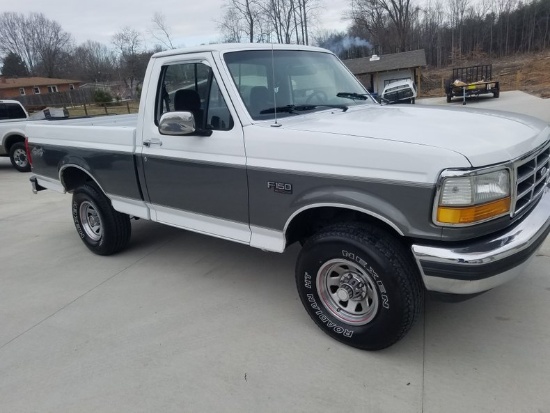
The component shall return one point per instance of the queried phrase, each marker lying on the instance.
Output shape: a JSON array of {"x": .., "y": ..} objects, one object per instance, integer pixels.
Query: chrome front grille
[{"x": 531, "y": 173}]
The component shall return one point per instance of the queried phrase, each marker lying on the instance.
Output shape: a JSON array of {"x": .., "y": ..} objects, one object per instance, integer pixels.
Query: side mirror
[{"x": 177, "y": 123}]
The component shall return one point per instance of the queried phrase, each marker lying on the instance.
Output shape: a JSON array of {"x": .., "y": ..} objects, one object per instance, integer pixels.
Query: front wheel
[
  {"x": 359, "y": 285},
  {"x": 18, "y": 157},
  {"x": 102, "y": 229}
]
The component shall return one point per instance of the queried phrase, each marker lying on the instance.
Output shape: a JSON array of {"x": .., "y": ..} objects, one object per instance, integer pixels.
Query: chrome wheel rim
[
  {"x": 91, "y": 221},
  {"x": 20, "y": 158},
  {"x": 347, "y": 291}
]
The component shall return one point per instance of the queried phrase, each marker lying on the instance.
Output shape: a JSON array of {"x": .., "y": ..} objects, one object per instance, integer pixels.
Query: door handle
[{"x": 154, "y": 141}]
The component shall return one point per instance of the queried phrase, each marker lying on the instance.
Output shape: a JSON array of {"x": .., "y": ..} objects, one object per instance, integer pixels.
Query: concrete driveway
[
  {"x": 184, "y": 323},
  {"x": 514, "y": 101}
]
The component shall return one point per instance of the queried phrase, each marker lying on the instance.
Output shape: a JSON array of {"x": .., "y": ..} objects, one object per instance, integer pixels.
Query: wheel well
[
  {"x": 10, "y": 140},
  {"x": 311, "y": 221},
  {"x": 72, "y": 178}
]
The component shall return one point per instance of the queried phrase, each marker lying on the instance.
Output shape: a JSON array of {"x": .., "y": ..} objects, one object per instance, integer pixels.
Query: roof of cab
[
  {"x": 10, "y": 101},
  {"x": 234, "y": 47}
]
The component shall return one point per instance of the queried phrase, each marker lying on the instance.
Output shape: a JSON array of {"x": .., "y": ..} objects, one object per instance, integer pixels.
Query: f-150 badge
[{"x": 280, "y": 187}]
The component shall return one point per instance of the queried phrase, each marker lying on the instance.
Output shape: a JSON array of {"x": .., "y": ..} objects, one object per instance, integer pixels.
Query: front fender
[{"x": 405, "y": 209}]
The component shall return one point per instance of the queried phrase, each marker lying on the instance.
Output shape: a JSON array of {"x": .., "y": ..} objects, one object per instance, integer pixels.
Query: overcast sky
[{"x": 192, "y": 21}]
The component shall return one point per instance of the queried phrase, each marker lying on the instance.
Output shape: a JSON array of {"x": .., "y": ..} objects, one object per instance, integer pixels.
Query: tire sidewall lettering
[
  {"x": 76, "y": 220},
  {"x": 78, "y": 223},
  {"x": 326, "y": 319},
  {"x": 382, "y": 291}
]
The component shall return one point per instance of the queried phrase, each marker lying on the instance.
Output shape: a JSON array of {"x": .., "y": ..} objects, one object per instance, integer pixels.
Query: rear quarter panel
[{"x": 104, "y": 148}]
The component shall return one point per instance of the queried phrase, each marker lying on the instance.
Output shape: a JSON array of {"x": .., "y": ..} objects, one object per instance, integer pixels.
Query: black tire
[
  {"x": 496, "y": 93},
  {"x": 347, "y": 253},
  {"x": 18, "y": 157},
  {"x": 413, "y": 101},
  {"x": 449, "y": 98},
  {"x": 102, "y": 229}
]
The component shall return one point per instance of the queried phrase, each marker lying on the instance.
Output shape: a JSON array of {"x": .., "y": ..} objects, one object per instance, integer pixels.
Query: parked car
[
  {"x": 285, "y": 146},
  {"x": 400, "y": 91},
  {"x": 13, "y": 118}
]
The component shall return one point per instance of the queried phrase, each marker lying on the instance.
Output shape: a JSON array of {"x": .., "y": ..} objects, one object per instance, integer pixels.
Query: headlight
[{"x": 473, "y": 198}]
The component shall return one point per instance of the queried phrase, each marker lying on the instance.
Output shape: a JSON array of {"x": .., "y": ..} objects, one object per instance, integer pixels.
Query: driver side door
[{"x": 195, "y": 182}]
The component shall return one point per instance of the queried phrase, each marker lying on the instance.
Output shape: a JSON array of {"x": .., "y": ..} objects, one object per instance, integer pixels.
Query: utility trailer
[{"x": 471, "y": 81}]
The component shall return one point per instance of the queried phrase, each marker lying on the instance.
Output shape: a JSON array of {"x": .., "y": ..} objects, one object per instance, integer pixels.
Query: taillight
[{"x": 28, "y": 150}]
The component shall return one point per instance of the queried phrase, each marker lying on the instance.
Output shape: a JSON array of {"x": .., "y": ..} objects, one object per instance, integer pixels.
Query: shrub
[{"x": 102, "y": 97}]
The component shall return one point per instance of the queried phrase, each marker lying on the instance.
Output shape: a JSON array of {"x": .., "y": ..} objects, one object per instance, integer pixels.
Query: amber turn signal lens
[{"x": 471, "y": 214}]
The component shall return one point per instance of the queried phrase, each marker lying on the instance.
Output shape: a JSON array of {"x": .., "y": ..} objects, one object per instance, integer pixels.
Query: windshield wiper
[
  {"x": 300, "y": 108},
  {"x": 353, "y": 96}
]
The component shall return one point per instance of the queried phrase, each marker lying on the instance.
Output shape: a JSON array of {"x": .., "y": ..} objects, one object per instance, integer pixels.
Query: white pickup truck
[
  {"x": 272, "y": 145},
  {"x": 13, "y": 118}
]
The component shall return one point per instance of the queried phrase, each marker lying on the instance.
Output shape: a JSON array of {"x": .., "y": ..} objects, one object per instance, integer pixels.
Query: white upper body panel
[{"x": 114, "y": 133}]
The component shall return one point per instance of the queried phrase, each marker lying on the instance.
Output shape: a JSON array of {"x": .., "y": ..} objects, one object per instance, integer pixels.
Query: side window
[
  {"x": 191, "y": 87},
  {"x": 15, "y": 111},
  {"x": 11, "y": 111}
]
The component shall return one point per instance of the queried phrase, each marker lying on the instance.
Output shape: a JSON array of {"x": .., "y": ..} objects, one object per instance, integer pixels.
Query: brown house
[{"x": 11, "y": 88}]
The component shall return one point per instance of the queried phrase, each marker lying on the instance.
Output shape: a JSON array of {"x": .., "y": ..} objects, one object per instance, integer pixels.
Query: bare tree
[
  {"x": 128, "y": 43},
  {"x": 377, "y": 13},
  {"x": 242, "y": 20},
  {"x": 161, "y": 31},
  {"x": 280, "y": 14},
  {"x": 231, "y": 26},
  {"x": 51, "y": 43},
  {"x": 93, "y": 62},
  {"x": 285, "y": 21},
  {"x": 41, "y": 43}
]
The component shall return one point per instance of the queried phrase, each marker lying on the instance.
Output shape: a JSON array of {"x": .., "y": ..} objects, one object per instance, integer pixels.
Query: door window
[{"x": 192, "y": 87}]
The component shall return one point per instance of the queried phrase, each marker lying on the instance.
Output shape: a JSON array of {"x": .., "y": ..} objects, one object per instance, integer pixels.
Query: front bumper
[{"x": 486, "y": 263}]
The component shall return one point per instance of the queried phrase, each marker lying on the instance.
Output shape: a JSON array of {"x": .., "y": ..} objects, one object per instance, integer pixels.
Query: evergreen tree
[{"x": 14, "y": 66}]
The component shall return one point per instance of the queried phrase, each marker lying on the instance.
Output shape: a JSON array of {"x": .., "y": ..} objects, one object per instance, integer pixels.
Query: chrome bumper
[{"x": 486, "y": 263}]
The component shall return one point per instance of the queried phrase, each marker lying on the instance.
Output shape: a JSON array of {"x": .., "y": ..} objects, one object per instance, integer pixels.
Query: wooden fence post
[
  {"x": 85, "y": 109},
  {"x": 128, "y": 106}
]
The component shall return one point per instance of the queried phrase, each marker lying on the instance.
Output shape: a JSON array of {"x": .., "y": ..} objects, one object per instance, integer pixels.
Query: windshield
[{"x": 300, "y": 81}]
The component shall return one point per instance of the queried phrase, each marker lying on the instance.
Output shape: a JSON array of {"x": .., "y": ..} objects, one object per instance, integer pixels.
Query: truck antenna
[{"x": 275, "y": 125}]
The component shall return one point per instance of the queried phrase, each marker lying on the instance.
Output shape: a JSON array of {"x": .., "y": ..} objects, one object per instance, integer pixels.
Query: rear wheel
[
  {"x": 449, "y": 98},
  {"x": 496, "y": 93},
  {"x": 359, "y": 285},
  {"x": 102, "y": 229},
  {"x": 18, "y": 157}
]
